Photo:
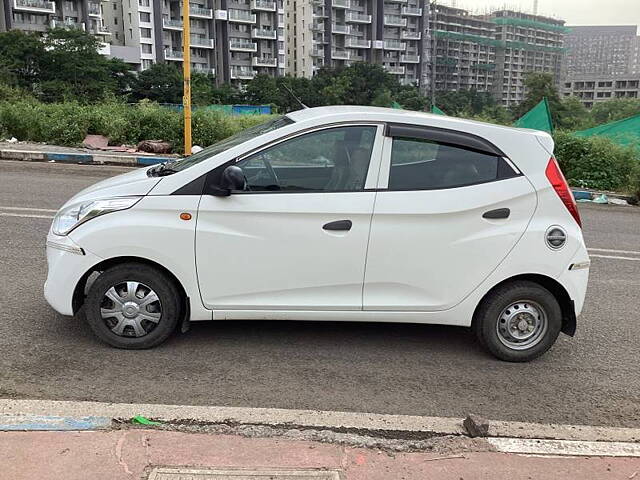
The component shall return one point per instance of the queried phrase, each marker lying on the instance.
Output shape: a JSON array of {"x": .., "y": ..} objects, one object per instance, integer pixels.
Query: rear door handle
[
  {"x": 338, "y": 225},
  {"x": 497, "y": 213}
]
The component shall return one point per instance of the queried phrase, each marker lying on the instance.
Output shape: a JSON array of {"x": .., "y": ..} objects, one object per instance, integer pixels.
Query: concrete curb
[
  {"x": 398, "y": 426},
  {"x": 81, "y": 158}
]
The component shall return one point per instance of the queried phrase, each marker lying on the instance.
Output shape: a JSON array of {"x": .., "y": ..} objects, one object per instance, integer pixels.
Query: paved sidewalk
[{"x": 133, "y": 453}]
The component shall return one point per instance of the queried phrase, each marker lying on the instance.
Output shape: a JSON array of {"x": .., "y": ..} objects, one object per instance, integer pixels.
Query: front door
[
  {"x": 446, "y": 217},
  {"x": 296, "y": 238}
]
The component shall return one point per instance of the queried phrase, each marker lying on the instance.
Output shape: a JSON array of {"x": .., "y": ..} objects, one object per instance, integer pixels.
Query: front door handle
[
  {"x": 497, "y": 213},
  {"x": 338, "y": 225}
]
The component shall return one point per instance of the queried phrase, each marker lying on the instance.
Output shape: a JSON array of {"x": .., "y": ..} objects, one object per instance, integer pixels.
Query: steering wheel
[{"x": 271, "y": 171}]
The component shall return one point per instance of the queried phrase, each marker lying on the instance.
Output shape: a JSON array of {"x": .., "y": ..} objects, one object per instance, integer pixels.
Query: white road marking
[
  {"x": 614, "y": 257},
  {"x": 28, "y": 209},
  {"x": 3, "y": 214},
  {"x": 565, "y": 447},
  {"x": 631, "y": 252}
]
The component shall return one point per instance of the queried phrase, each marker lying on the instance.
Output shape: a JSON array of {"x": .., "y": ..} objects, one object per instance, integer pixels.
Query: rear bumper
[{"x": 575, "y": 280}]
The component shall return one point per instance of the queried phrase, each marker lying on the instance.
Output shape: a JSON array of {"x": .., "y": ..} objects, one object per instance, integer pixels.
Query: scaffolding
[{"x": 524, "y": 22}]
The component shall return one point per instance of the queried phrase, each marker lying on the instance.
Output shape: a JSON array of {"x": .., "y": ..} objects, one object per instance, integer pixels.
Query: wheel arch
[
  {"x": 555, "y": 288},
  {"x": 83, "y": 284}
]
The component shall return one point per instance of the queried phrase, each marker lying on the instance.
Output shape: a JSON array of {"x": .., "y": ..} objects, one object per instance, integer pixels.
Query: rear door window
[{"x": 420, "y": 164}]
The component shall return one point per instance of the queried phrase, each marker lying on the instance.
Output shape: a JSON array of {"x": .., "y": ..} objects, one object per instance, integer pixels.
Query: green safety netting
[
  {"x": 437, "y": 111},
  {"x": 465, "y": 37},
  {"x": 624, "y": 132},
  {"x": 523, "y": 22},
  {"x": 538, "y": 118}
]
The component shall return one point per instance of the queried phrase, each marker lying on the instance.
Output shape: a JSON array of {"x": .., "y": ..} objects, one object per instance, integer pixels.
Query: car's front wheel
[
  {"x": 518, "y": 321},
  {"x": 133, "y": 306}
]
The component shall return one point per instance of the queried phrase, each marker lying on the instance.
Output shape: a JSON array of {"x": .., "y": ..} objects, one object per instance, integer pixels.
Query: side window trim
[
  {"x": 445, "y": 136},
  {"x": 373, "y": 172}
]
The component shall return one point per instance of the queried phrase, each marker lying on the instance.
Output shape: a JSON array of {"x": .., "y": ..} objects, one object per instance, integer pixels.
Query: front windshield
[{"x": 230, "y": 142}]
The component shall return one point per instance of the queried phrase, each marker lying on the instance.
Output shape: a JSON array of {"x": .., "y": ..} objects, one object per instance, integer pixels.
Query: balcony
[
  {"x": 408, "y": 35},
  {"x": 394, "y": 70},
  {"x": 264, "y": 5},
  {"x": 102, "y": 29},
  {"x": 263, "y": 33},
  {"x": 94, "y": 9},
  {"x": 340, "y": 54},
  {"x": 171, "y": 24},
  {"x": 340, "y": 3},
  {"x": 67, "y": 24},
  {"x": 204, "y": 70},
  {"x": 317, "y": 27},
  {"x": 341, "y": 28},
  {"x": 412, "y": 11},
  {"x": 353, "y": 42},
  {"x": 173, "y": 55},
  {"x": 317, "y": 52},
  {"x": 199, "y": 12},
  {"x": 242, "y": 46},
  {"x": 242, "y": 73},
  {"x": 395, "y": 45},
  {"x": 201, "y": 42},
  {"x": 409, "y": 58},
  {"x": 38, "y": 6},
  {"x": 355, "y": 17},
  {"x": 241, "y": 16},
  {"x": 395, "y": 21},
  {"x": 264, "y": 62}
]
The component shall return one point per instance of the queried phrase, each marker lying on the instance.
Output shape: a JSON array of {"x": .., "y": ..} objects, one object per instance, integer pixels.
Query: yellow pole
[{"x": 186, "y": 66}]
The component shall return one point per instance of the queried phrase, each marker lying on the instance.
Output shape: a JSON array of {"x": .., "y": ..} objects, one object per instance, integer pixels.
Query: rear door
[{"x": 448, "y": 211}]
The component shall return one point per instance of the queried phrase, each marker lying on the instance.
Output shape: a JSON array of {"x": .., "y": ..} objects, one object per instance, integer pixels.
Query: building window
[
  {"x": 145, "y": 33},
  {"x": 146, "y": 48},
  {"x": 145, "y": 17}
]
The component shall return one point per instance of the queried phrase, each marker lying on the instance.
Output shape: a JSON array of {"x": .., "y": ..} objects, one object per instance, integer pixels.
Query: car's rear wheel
[
  {"x": 518, "y": 321},
  {"x": 133, "y": 306}
]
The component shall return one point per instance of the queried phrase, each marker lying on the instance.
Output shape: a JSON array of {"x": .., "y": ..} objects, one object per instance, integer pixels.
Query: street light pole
[{"x": 186, "y": 68}]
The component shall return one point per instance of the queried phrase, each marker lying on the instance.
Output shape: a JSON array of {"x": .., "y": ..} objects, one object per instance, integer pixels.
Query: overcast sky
[{"x": 575, "y": 12}]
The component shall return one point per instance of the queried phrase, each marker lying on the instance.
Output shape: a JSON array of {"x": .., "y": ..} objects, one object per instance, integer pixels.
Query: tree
[
  {"x": 464, "y": 102},
  {"x": 616, "y": 109},
  {"x": 202, "y": 89},
  {"x": 575, "y": 115},
  {"x": 21, "y": 58},
  {"x": 73, "y": 67},
  {"x": 538, "y": 86},
  {"x": 162, "y": 83}
]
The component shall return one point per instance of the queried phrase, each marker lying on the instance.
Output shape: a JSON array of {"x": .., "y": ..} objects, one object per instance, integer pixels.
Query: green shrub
[
  {"x": 68, "y": 123},
  {"x": 595, "y": 162}
]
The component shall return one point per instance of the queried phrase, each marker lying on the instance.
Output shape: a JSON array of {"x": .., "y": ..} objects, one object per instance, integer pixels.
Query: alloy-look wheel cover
[{"x": 131, "y": 309}]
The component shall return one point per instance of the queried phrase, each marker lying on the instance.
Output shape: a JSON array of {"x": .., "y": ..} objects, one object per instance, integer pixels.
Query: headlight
[{"x": 74, "y": 215}]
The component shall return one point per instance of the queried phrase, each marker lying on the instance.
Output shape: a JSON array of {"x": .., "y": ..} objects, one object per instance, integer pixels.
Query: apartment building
[
  {"x": 528, "y": 43},
  {"x": 601, "y": 50},
  {"x": 465, "y": 50},
  {"x": 591, "y": 89},
  {"x": 337, "y": 33},
  {"x": 39, "y": 15}
]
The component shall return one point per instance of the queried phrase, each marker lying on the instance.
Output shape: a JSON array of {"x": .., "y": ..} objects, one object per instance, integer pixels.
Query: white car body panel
[{"x": 429, "y": 261}]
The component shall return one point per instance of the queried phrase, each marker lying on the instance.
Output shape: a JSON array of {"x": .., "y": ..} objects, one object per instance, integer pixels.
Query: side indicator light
[{"x": 185, "y": 216}]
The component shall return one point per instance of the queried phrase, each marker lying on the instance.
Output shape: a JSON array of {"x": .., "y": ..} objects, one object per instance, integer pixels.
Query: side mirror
[{"x": 232, "y": 179}]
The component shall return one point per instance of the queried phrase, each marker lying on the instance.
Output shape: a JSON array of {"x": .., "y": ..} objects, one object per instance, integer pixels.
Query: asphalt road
[{"x": 593, "y": 378}]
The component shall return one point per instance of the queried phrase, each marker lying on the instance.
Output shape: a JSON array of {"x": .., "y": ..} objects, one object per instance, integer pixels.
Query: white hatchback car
[{"x": 332, "y": 213}]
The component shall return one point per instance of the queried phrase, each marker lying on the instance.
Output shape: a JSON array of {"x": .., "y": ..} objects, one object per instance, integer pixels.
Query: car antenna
[{"x": 294, "y": 96}]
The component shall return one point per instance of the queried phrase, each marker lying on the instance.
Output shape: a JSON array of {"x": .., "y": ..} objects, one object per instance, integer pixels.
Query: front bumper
[{"x": 67, "y": 263}]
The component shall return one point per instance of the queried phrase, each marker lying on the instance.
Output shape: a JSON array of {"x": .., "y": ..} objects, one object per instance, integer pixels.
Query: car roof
[{"x": 359, "y": 112}]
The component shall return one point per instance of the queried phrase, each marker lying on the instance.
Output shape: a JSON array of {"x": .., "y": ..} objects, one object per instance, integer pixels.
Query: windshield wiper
[{"x": 162, "y": 170}]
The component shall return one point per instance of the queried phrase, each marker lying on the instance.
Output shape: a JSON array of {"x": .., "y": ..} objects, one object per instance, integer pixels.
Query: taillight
[{"x": 560, "y": 185}]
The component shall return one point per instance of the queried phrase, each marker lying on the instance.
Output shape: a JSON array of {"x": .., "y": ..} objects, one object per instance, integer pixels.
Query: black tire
[
  {"x": 490, "y": 310},
  {"x": 158, "y": 281}
]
